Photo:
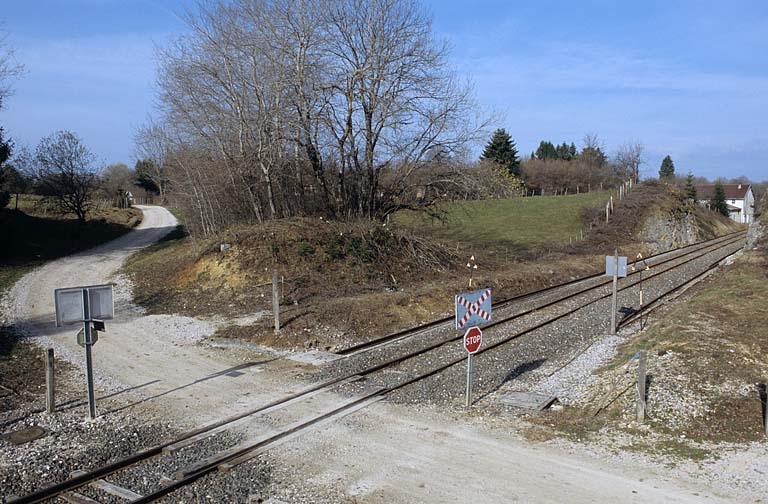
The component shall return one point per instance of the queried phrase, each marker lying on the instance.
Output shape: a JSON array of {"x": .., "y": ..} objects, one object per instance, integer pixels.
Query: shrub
[{"x": 306, "y": 249}]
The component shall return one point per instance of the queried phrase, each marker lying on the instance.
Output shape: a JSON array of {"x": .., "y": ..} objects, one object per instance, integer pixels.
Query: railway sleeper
[{"x": 110, "y": 488}]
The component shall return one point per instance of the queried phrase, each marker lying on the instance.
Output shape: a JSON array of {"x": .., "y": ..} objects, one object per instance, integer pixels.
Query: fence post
[
  {"x": 50, "y": 396},
  {"x": 641, "y": 392},
  {"x": 276, "y": 301}
]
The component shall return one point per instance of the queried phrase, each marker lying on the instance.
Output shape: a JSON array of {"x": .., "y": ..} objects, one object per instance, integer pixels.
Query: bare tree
[
  {"x": 306, "y": 106},
  {"x": 65, "y": 171},
  {"x": 9, "y": 68},
  {"x": 117, "y": 181},
  {"x": 628, "y": 159},
  {"x": 395, "y": 98},
  {"x": 153, "y": 149}
]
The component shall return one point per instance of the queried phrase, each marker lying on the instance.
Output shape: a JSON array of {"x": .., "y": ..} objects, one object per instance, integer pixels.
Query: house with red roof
[{"x": 739, "y": 197}]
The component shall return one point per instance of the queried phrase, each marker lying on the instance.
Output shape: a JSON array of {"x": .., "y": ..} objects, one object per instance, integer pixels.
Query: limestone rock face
[{"x": 665, "y": 232}]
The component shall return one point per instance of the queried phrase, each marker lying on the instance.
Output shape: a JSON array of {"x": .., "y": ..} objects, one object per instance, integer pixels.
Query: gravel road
[{"x": 156, "y": 375}]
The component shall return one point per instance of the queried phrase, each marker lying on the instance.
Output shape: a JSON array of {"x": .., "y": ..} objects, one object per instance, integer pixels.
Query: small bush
[
  {"x": 335, "y": 249},
  {"x": 306, "y": 249}
]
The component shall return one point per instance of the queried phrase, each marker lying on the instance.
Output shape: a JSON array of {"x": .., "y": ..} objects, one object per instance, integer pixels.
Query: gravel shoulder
[{"x": 161, "y": 376}]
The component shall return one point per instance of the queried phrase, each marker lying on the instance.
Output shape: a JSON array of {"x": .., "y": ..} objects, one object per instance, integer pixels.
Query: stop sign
[{"x": 472, "y": 339}]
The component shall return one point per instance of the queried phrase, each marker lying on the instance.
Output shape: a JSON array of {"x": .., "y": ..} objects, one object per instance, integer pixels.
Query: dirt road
[{"x": 385, "y": 453}]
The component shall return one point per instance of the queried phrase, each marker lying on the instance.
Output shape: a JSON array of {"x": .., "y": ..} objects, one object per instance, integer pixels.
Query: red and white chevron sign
[{"x": 473, "y": 308}]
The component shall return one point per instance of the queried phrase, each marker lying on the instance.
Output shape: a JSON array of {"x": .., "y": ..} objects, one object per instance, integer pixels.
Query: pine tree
[
  {"x": 546, "y": 150},
  {"x": 667, "y": 169},
  {"x": 565, "y": 153},
  {"x": 501, "y": 150},
  {"x": 690, "y": 189},
  {"x": 719, "y": 204}
]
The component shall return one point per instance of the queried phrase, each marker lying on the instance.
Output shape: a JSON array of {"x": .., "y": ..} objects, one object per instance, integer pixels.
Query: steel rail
[{"x": 419, "y": 329}]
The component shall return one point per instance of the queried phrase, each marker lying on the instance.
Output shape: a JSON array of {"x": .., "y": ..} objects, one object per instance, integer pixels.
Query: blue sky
[{"x": 684, "y": 78}]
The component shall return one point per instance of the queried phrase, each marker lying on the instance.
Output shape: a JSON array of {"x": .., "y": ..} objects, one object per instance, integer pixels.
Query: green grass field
[{"x": 518, "y": 223}]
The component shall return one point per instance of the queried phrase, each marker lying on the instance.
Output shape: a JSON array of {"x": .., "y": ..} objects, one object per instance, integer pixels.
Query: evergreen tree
[
  {"x": 719, "y": 204},
  {"x": 546, "y": 150},
  {"x": 690, "y": 189},
  {"x": 501, "y": 150},
  {"x": 566, "y": 152},
  {"x": 667, "y": 169}
]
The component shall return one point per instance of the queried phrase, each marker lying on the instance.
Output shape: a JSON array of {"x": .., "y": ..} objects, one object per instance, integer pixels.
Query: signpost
[
  {"x": 89, "y": 305},
  {"x": 616, "y": 267},
  {"x": 642, "y": 268},
  {"x": 472, "y": 309},
  {"x": 473, "y": 338}
]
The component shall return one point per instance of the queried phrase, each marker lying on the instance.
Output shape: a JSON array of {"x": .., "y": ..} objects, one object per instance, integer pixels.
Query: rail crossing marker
[
  {"x": 90, "y": 306},
  {"x": 473, "y": 308}
]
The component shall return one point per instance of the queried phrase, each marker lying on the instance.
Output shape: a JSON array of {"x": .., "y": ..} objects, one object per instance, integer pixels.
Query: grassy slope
[{"x": 518, "y": 223}]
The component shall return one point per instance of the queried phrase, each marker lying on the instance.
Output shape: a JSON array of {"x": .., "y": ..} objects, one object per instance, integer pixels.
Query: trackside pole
[
  {"x": 469, "y": 380},
  {"x": 641, "y": 391},
  {"x": 50, "y": 384},
  {"x": 88, "y": 355},
  {"x": 276, "y": 301},
  {"x": 614, "y": 297}
]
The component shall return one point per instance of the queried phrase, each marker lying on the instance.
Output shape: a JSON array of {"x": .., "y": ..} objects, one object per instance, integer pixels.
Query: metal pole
[
  {"x": 469, "y": 380},
  {"x": 88, "y": 356},
  {"x": 614, "y": 300},
  {"x": 50, "y": 385}
]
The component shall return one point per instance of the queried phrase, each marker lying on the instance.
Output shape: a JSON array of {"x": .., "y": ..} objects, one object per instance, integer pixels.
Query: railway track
[{"x": 369, "y": 372}]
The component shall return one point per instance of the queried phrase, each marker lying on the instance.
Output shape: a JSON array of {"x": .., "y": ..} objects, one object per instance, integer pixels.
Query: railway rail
[{"x": 364, "y": 374}]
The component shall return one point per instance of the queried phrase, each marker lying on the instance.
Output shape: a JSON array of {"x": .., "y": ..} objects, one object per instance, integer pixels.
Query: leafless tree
[
  {"x": 306, "y": 106},
  {"x": 9, "y": 68},
  {"x": 116, "y": 181},
  {"x": 64, "y": 170},
  {"x": 628, "y": 159},
  {"x": 153, "y": 147}
]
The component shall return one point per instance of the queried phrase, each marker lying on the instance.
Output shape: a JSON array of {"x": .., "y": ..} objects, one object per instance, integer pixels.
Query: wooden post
[
  {"x": 50, "y": 386},
  {"x": 615, "y": 293},
  {"x": 276, "y": 301},
  {"x": 762, "y": 390},
  {"x": 765, "y": 415},
  {"x": 641, "y": 392}
]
